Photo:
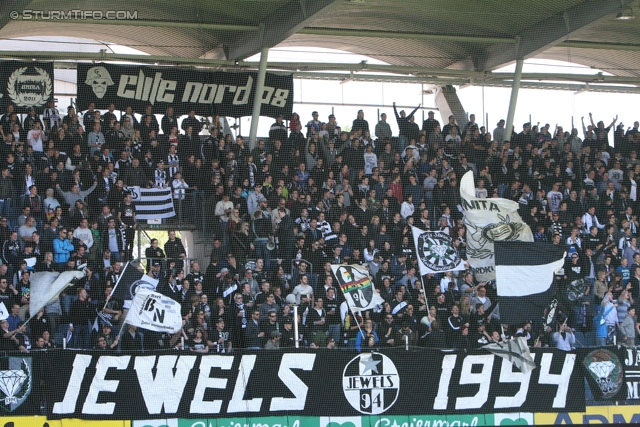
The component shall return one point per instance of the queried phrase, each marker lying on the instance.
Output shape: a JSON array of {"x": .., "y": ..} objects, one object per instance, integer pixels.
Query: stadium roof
[{"x": 460, "y": 40}]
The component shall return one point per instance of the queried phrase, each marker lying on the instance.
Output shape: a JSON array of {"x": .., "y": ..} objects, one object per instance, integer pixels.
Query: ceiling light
[{"x": 625, "y": 14}]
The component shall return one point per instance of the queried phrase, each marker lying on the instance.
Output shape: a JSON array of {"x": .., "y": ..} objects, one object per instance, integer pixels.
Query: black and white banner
[
  {"x": 335, "y": 383},
  {"x": 524, "y": 278},
  {"x": 130, "y": 281},
  {"x": 436, "y": 252},
  {"x": 152, "y": 203},
  {"x": 206, "y": 92},
  {"x": 25, "y": 85},
  {"x": 488, "y": 221},
  {"x": 154, "y": 311}
]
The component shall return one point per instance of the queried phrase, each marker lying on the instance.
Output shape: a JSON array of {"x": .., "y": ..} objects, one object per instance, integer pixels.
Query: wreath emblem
[{"x": 27, "y": 90}]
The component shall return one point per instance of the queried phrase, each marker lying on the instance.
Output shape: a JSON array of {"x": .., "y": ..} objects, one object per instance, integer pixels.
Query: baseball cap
[
  {"x": 275, "y": 334},
  {"x": 224, "y": 270}
]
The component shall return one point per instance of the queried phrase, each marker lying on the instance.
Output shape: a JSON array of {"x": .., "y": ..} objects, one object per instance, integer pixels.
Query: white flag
[
  {"x": 488, "y": 220},
  {"x": 357, "y": 287},
  {"x": 516, "y": 351},
  {"x": 4, "y": 313},
  {"x": 47, "y": 285},
  {"x": 436, "y": 252},
  {"x": 155, "y": 312}
]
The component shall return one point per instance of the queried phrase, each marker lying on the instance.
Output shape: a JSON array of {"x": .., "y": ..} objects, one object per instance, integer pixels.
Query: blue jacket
[
  {"x": 62, "y": 250},
  {"x": 599, "y": 324}
]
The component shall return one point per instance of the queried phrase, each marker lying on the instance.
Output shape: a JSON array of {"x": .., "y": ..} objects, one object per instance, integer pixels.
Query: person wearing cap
[
  {"x": 287, "y": 332},
  {"x": 278, "y": 130},
  {"x": 429, "y": 125},
  {"x": 107, "y": 336}
]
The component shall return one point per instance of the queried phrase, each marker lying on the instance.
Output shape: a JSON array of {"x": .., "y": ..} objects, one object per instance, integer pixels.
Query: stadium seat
[
  {"x": 590, "y": 339},
  {"x": 581, "y": 340}
]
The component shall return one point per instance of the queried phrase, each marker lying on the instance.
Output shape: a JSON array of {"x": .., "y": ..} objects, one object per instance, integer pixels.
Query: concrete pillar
[
  {"x": 257, "y": 100},
  {"x": 515, "y": 88}
]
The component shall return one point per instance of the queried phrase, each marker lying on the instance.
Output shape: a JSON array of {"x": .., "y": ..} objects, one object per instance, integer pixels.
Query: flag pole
[
  {"x": 117, "y": 283},
  {"x": 355, "y": 317},
  {"x": 426, "y": 300}
]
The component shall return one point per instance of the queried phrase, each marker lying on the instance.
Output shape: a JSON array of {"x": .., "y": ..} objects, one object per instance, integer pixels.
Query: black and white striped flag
[
  {"x": 152, "y": 203},
  {"x": 525, "y": 278}
]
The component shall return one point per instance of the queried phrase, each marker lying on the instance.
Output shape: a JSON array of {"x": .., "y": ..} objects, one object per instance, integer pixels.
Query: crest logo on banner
[
  {"x": 30, "y": 88},
  {"x": 99, "y": 79},
  {"x": 15, "y": 382},
  {"x": 141, "y": 284},
  {"x": 135, "y": 193},
  {"x": 436, "y": 252},
  {"x": 606, "y": 370},
  {"x": 371, "y": 383}
]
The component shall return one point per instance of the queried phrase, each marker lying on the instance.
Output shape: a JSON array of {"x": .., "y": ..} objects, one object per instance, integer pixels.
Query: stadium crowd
[{"x": 309, "y": 196}]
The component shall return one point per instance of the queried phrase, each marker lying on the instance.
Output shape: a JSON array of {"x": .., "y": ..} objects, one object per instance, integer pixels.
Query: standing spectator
[
  {"x": 404, "y": 126},
  {"x": 113, "y": 240},
  {"x": 360, "y": 124},
  {"x": 253, "y": 335},
  {"x": 127, "y": 218},
  {"x": 175, "y": 251},
  {"x": 564, "y": 339},
  {"x": 84, "y": 234},
  {"x": 628, "y": 328},
  {"x": 383, "y": 130},
  {"x": 82, "y": 313},
  {"x": 610, "y": 316},
  {"x": 62, "y": 248},
  {"x": 429, "y": 125}
]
